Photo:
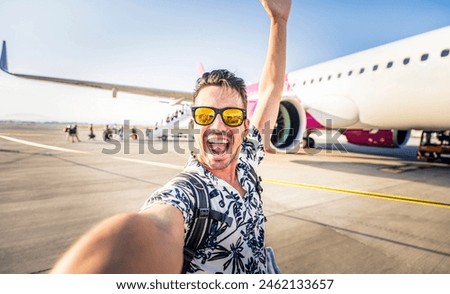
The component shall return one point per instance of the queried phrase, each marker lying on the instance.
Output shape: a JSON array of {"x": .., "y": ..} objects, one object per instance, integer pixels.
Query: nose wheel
[{"x": 308, "y": 142}]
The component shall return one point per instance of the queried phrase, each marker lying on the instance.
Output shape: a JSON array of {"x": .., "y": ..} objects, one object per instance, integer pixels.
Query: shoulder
[
  {"x": 175, "y": 193},
  {"x": 253, "y": 146}
]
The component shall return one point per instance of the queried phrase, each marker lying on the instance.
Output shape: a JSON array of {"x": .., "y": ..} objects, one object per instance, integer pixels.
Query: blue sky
[{"x": 159, "y": 43}]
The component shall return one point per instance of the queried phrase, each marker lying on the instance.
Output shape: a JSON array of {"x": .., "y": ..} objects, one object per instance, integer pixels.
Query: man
[
  {"x": 91, "y": 132},
  {"x": 229, "y": 147}
]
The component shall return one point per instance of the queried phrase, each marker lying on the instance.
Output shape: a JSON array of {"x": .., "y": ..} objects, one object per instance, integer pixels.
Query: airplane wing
[{"x": 171, "y": 96}]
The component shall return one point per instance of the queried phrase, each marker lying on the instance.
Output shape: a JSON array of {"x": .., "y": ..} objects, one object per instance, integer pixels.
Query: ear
[
  {"x": 246, "y": 124},
  {"x": 246, "y": 128}
]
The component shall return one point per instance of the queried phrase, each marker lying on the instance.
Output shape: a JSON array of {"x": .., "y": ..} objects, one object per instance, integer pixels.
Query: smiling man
[
  {"x": 219, "y": 113},
  {"x": 230, "y": 148},
  {"x": 229, "y": 153}
]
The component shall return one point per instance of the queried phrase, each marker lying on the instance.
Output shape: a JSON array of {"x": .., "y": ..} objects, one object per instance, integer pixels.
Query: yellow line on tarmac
[
  {"x": 391, "y": 197},
  {"x": 273, "y": 181}
]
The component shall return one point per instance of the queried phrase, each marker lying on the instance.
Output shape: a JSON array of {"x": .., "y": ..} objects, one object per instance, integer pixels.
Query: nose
[{"x": 218, "y": 123}]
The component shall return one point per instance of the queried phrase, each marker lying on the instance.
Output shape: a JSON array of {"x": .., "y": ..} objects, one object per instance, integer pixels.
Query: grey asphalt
[{"x": 392, "y": 214}]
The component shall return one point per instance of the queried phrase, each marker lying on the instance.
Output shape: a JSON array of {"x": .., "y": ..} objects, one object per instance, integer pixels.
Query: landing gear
[{"x": 308, "y": 142}]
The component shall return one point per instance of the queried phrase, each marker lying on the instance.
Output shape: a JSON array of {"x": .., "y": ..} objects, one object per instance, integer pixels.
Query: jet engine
[
  {"x": 287, "y": 134},
  {"x": 378, "y": 138}
]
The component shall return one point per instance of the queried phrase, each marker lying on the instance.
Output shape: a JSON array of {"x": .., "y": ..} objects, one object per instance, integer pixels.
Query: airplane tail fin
[
  {"x": 200, "y": 69},
  {"x": 4, "y": 58}
]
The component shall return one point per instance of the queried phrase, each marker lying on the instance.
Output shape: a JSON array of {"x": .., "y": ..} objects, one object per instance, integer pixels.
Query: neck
[{"x": 227, "y": 174}]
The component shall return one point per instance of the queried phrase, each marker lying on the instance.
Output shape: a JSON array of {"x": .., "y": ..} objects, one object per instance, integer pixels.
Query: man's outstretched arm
[
  {"x": 135, "y": 243},
  {"x": 272, "y": 78}
]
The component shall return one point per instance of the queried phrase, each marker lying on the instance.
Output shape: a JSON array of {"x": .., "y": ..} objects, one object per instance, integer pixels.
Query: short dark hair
[{"x": 222, "y": 78}]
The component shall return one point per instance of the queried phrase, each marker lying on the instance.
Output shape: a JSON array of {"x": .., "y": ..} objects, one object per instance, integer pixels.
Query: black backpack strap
[
  {"x": 200, "y": 221},
  {"x": 257, "y": 179},
  {"x": 203, "y": 215}
]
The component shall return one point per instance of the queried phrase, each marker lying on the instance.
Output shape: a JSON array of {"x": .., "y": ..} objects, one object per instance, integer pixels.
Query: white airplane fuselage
[{"x": 401, "y": 85}]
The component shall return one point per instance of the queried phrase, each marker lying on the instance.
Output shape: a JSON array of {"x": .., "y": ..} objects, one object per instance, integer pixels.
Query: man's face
[{"x": 219, "y": 144}]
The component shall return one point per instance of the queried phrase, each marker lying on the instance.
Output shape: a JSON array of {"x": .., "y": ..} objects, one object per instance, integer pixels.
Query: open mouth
[{"x": 218, "y": 145}]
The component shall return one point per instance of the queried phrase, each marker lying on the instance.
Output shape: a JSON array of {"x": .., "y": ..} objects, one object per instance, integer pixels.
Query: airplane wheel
[
  {"x": 164, "y": 137},
  {"x": 308, "y": 142}
]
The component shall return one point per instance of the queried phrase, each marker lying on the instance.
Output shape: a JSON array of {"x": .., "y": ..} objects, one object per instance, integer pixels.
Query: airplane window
[
  {"x": 444, "y": 53},
  {"x": 312, "y": 81},
  {"x": 329, "y": 77},
  {"x": 375, "y": 67},
  {"x": 304, "y": 83},
  {"x": 390, "y": 64},
  {"x": 350, "y": 73},
  {"x": 406, "y": 61},
  {"x": 320, "y": 79},
  {"x": 424, "y": 57},
  {"x": 361, "y": 70},
  {"x": 339, "y": 75}
]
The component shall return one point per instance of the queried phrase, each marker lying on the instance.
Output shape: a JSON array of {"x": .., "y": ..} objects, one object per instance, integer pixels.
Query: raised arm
[
  {"x": 272, "y": 78},
  {"x": 133, "y": 243}
]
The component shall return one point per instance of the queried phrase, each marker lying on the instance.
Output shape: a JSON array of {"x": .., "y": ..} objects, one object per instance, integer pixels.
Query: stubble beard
[{"x": 209, "y": 159}]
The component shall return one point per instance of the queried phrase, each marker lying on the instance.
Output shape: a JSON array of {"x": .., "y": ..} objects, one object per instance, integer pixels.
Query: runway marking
[
  {"x": 273, "y": 181},
  {"x": 24, "y": 134},
  {"x": 361, "y": 193},
  {"x": 153, "y": 163},
  {"x": 42, "y": 145}
]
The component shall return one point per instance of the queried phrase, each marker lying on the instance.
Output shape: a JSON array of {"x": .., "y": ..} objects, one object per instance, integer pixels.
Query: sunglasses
[{"x": 231, "y": 116}]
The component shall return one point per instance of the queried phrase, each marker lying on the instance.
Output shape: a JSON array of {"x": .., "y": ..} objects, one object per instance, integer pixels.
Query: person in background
[{"x": 91, "y": 132}]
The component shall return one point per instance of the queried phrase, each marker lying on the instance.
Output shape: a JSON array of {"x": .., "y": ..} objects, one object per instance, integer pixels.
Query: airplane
[
  {"x": 374, "y": 97},
  {"x": 378, "y": 95}
]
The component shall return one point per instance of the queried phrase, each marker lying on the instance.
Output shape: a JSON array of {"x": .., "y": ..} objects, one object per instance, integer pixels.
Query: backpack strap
[
  {"x": 257, "y": 179},
  {"x": 203, "y": 216}
]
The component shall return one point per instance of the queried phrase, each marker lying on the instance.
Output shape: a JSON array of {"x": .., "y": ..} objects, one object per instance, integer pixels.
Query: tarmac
[{"x": 336, "y": 209}]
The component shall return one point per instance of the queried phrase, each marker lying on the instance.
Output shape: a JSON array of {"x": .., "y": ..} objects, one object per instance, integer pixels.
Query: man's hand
[{"x": 277, "y": 9}]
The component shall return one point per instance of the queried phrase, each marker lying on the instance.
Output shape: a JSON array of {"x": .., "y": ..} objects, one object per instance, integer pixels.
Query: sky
[{"x": 159, "y": 44}]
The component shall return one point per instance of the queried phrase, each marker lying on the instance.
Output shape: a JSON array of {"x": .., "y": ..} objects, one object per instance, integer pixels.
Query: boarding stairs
[{"x": 171, "y": 128}]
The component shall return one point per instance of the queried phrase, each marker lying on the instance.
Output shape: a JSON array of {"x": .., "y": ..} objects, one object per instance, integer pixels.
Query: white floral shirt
[{"x": 234, "y": 249}]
